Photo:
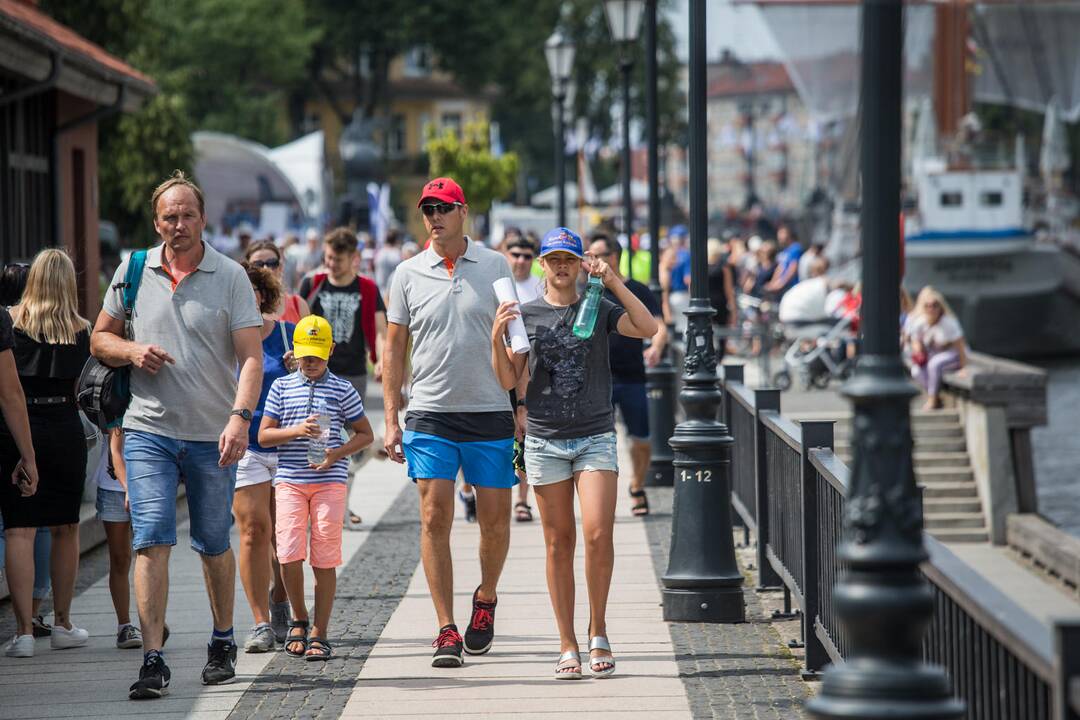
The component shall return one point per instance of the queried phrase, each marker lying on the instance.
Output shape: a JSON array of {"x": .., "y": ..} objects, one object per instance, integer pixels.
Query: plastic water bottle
[
  {"x": 317, "y": 447},
  {"x": 585, "y": 323}
]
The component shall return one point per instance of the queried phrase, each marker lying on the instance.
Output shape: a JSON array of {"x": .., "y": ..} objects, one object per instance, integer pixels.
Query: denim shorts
[
  {"x": 110, "y": 506},
  {"x": 633, "y": 404},
  {"x": 155, "y": 465},
  {"x": 484, "y": 463},
  {"x": 552, "y": 461}
]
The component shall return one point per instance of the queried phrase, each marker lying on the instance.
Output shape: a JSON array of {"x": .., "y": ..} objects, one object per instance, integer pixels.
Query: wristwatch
[
  {"x": 244, "y": 414},
  {"x": 521, "y": 403}
]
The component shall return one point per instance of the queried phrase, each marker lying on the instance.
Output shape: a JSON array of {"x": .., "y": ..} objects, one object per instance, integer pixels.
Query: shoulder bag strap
[
  {"x": 130, "y": 288},
  {"x": 284, "y": 335}
]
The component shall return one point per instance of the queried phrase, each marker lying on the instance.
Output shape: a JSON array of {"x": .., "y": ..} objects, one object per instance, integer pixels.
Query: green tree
[{"x": 468, "y": 160}]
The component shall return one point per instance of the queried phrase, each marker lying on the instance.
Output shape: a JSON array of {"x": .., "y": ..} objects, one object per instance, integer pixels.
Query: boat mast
[{"x": 952, "y": 81}]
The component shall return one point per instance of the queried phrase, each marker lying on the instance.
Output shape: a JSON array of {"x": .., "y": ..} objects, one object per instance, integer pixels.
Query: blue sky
[{"x": 739, "y": 28}]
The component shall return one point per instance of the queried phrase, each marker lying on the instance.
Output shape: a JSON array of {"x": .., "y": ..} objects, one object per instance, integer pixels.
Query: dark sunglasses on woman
[
  {"x": 270, "y": 264},
  {"x": 431, "y": 209}
]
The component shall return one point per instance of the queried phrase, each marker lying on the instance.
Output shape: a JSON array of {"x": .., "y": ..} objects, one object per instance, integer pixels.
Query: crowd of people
[{"x": 248, "y": 382}]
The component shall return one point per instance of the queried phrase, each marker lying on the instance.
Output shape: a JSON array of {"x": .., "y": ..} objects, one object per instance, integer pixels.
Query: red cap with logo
[{"x": 443, "y": 189}]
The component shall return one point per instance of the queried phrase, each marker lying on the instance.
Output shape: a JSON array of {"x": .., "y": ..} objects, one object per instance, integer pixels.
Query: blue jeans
[
  {"x": 155, "y": 466},
  {"x": 42, "y": 564}
]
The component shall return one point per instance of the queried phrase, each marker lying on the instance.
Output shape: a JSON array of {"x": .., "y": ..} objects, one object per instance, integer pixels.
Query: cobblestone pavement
[
  {"x": 730, "y": 672},
  {"x": 369, "y": 590}
]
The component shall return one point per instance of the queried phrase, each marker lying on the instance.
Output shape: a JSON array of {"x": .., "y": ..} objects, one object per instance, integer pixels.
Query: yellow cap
[{"x": 312, "y": 338}]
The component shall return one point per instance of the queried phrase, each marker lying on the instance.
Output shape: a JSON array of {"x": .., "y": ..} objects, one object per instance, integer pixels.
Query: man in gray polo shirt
[
  {"x": 195, "y": 322},
  {"x": 459, "y": 417}
]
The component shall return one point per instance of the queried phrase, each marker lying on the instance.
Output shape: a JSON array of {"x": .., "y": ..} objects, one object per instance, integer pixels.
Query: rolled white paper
[{"x": 505, "y": 292}]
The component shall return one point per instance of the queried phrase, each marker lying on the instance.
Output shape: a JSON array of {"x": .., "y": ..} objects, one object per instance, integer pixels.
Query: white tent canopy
[
  {"x": 232, "y": 170},
  {"x": 302, "y": 162}
]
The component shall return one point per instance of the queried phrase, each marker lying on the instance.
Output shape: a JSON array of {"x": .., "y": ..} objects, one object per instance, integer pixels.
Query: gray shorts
[
  {"x": 110, "y": 506},
  {"x": 552, "y": 461}
]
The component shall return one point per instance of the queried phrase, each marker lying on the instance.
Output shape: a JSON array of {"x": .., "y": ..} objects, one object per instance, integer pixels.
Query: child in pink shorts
[{"x": 306, "y": 411}]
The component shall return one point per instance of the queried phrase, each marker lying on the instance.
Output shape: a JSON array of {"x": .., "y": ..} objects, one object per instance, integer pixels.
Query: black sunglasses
[
  {"x": 272, "y": 264},
  {"x": 522, "y": 256},
  {"x": 431, "y": 209}
]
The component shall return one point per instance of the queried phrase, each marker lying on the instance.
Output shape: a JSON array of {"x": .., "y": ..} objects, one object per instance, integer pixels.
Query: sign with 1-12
[{"x": 698, "y": 475}]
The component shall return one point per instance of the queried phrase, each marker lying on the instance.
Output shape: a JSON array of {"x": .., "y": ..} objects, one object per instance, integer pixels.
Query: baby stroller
[{"x": 817, "y": 353}]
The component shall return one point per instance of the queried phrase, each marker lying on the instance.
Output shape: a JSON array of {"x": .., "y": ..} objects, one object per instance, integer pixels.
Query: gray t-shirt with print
[
  {"x": 569, "y": 393},
  {"x": 194, "y": 322},
  {"x": 450, "y": 319}
]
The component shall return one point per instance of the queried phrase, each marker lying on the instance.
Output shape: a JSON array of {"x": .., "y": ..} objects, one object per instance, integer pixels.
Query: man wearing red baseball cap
[
  {"x": 459, "y": 418},
  {"x": 444, "y": 189}
]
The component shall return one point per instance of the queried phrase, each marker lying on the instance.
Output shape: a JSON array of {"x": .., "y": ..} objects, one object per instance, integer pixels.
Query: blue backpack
[{"x": 104, "y": 392}]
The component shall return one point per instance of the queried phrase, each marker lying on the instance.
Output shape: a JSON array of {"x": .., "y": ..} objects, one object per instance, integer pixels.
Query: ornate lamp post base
[{"x": 702, "y": 582}]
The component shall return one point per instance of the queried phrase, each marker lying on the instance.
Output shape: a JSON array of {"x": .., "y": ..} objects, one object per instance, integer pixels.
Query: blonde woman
[
  {"x": 937, "y": 344},
  {"x": 51, "y": 344}
]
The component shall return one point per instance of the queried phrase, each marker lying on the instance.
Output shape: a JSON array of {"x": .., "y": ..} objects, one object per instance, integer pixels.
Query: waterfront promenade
[{"x": 383, "y": 623}]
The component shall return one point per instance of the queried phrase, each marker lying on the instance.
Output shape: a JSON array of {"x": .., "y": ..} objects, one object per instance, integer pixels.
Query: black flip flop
[{"x": 641, "y": 507}]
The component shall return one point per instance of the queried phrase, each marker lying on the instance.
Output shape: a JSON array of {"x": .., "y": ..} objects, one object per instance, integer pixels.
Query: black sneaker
[
  {"x": 481, "y": 630},
  {"x": 153, "y": 680},
  {"x": 41, "y": 628},
  {"x": 469, "y": 501},
  {"x": 447, "y": 648},
  {"x": 220, "y": 668}
]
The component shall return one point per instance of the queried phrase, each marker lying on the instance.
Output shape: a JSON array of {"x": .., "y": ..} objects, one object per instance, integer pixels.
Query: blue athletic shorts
[
  {"x": 487, "y": 463},
  {"x": 633, "y": 405}
]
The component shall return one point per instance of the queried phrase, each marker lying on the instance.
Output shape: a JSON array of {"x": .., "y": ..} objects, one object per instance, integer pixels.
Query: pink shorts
[{"x": 321, "y": 503}]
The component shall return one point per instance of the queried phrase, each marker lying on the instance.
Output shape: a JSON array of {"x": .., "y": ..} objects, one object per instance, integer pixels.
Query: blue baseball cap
[{"x": 561, "y": 240}]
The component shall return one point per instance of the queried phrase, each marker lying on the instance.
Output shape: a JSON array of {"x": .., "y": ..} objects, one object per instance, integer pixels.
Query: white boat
[{"x": 967, "y": 239}]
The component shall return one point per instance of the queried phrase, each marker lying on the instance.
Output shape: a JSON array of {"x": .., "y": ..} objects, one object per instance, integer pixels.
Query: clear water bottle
[
  {"x": 317, "y": 447},
  {"x": 585, "y": 323}
]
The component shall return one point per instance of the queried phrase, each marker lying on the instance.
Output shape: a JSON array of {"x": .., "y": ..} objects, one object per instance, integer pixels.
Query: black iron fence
[{"x": 788, "y": 489}]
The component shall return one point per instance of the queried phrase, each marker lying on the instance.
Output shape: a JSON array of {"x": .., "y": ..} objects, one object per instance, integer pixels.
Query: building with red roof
[{"x": 55, "y": 86}]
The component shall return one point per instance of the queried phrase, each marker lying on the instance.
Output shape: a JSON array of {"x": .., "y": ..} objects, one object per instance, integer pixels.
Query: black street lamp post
[
  {"x": 702, "y": 582},
  {"x": 624, "y": 20},
  {"x": 882, "y": 599},
  {"x": 559, "y": 51},
  {"x": 659, "y": 380}
]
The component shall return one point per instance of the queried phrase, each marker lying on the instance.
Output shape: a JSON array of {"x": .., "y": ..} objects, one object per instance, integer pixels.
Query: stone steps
[
  {"x": 961, "y": 535},
  {"x": 950, "y": 490},
  {"x": 952, "y": 520},
  {"x": 952, "y": 509},
  {"x": 945, "y": 505}
]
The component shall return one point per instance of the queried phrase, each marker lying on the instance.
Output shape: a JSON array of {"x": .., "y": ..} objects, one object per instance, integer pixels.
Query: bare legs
[
  {"x": 219, "y": 571},
  {"x": 436, "y": 517},
  {"x": 325, "y": 587},
  {"x": 65, "y": 566},
  {"x": 19, "y": 564},
  {"x": 640, "y": 455},
  {"x": 493, "y": 514},
  {"x": 118, "y": 537},
  {"x": 251, "y": 508},
  {"x": 597, "y": 495},
  {"x": 152, "y": 592}
]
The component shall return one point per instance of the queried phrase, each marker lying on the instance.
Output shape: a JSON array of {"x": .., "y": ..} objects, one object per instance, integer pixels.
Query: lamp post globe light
[
  {"x": 624, "y": 20},
  {"x": 659, "y": 379},
  {"x": 559, "y": 51},
  {"x": 702, "y": 582},
  {"x": 882, "y": 599}
]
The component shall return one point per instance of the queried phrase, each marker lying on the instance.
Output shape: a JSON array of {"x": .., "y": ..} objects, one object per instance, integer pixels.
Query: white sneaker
[
  {"x": 21, "y": 646},
  {"x": 62, "y": 638}
]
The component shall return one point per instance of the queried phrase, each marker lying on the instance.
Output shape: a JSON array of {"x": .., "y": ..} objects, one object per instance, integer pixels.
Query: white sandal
[
  {"x": 600, "y": 643},
  {"x": 569, "y": 659}
]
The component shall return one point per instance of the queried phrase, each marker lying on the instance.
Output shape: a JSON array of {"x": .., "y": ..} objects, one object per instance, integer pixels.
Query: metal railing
[{"x": 1003, "y": 662}]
